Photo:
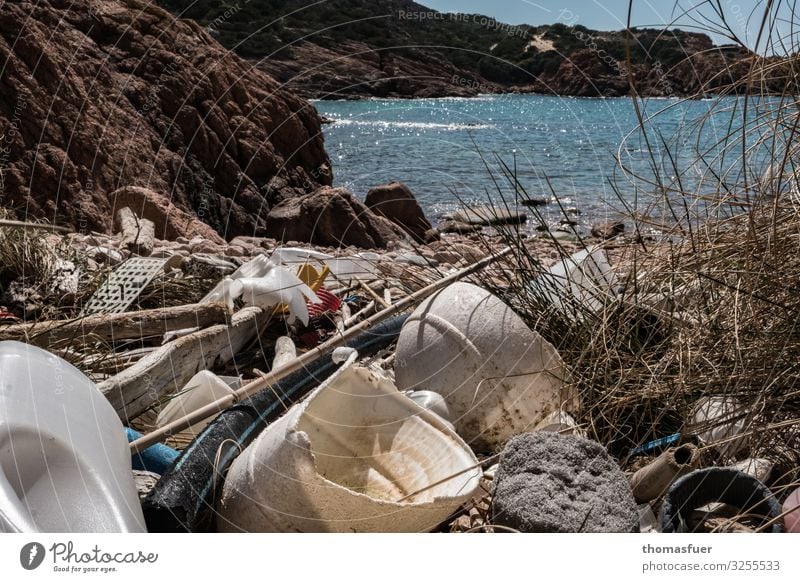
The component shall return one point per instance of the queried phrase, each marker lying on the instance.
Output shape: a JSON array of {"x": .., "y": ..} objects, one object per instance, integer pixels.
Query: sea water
[{"x": 599, "y": 157}]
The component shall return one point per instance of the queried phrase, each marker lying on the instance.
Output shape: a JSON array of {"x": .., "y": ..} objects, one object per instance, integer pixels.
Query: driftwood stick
[
  {"x": 307, "y": 358},
  {"x": 33, "y": 225},
  {"x": 373, "y": 294},
  {"x": 117, "y": 326},
  {"x": 357, "y": 315},
  {"x": 171, "y": 366}
]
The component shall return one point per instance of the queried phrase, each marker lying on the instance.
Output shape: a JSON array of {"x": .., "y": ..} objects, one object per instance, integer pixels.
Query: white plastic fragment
[
  {"x": 560, "y": 422},
  {"x": 716, "y": 419},
  {"x": 344, "y": 460},
  {"x": 587, "y": 275},
  {"x": 761, "y": 469},
  {"x": 647, "y": 519},
  {"x": 204, "y": 388},
  {"x": 285, "y": 351},
  {"x": 262, "y": 283},
  {"x": 342, "y": 269},
  {"x": 224, "y": 290},
  {"x": 341, "y": 355}
]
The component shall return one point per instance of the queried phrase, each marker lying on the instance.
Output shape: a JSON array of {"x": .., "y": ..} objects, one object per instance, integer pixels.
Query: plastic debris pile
[{"x": 425, "y": 402}]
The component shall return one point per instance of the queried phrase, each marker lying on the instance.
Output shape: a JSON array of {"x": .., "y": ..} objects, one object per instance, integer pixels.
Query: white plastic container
[
  {"x": 587, "y": 275},
  {"x": 65, "y": 465},
  {"x": 344, "y": 459},
  {"x": 718, "y": 420},
  {"x": 498, "y": 377}
]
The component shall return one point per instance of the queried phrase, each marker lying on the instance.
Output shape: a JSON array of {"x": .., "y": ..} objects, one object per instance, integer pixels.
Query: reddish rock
[
  {"x": 100, "y": 95},
  {"x": 396, "y": 202},
  {"x": 170, "y": 221},
  {"x": 331, "y": 217}
]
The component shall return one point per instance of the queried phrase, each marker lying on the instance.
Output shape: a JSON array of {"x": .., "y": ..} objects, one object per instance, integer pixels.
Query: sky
[{"x": 612, "y": 14}]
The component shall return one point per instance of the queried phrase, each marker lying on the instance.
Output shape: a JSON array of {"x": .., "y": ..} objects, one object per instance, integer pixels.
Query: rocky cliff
[
  {"x": 398, "y": 48},
  {"x": 105, "y": 98}
]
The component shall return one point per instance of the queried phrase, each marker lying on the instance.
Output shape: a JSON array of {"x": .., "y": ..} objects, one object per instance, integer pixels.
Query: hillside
[
  {"x": 108, "y": 95},
  {"x": 348, "y": 48}
]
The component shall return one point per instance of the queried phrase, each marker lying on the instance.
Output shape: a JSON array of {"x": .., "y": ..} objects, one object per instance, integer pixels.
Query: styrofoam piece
[
  {"x": 343, "y": 459},
  {"x": 341, "y": 354},
  {"x": 285, "y": 351},
  {"x": 718, "y": 418},
  {"x": 498, "y": 377},
  {"x": 124, "y": 285},
  {"x": 65, "y": 465},
  {"x": 587, "y": 275},
  {"x": 204, "y": 388}
]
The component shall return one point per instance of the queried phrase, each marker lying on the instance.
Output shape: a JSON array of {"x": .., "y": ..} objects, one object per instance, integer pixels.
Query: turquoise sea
[{"x": 591, "y": 151}]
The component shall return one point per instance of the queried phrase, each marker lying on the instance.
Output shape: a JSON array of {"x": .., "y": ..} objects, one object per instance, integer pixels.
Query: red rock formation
[
  {"x": 100, "y": 95},
  {"x": 397, "y": 203},
  {"x": 331, "y": 217}
]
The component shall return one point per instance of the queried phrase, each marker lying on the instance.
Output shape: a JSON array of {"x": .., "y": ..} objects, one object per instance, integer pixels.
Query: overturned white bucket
[
  {"x": 498, "y": 377},
  {"x": 345, "y": 459}
]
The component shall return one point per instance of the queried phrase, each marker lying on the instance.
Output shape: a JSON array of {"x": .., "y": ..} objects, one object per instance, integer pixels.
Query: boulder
[
  {"x": 456, "y": 227},
  {"x": 170, "y": 222},
  {"x": 331, "y": 217},
  {"x": 547, "y": 482},
  {"x": 608, "y": 229},
  {"x": 144, "y": 99},
  {"x": 396, "y": 202}
]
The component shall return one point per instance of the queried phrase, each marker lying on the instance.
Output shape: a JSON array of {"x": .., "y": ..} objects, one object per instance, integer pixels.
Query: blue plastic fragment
[
  {"x": 655, "y": 445},
  {"x": 155, "y": 458}
]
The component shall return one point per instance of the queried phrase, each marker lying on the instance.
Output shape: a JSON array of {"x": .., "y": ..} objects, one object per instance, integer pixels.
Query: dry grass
[{"x": 712, "y": 308}]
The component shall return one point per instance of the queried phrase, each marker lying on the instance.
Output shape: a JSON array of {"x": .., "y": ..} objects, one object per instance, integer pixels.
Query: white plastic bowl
[{"x": 344, "y": 460}]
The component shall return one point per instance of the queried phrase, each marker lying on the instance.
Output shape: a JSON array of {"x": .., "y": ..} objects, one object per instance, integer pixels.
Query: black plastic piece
[{"x": 723, "y": 485}]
